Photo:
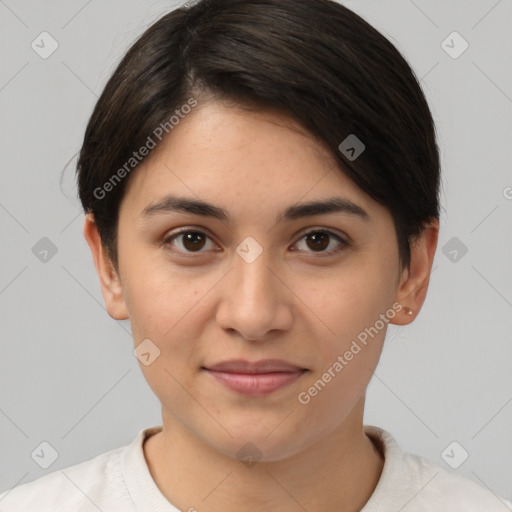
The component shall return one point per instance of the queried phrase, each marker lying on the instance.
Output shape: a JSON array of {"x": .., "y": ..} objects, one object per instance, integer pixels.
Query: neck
[{"x": 338, "y": 473}]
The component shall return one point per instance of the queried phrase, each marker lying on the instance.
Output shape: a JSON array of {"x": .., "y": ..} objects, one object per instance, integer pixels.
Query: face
[{"x": 260, "y": 281}]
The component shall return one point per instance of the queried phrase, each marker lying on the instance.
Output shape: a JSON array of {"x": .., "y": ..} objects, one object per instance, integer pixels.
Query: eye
[
  {"x": 319, "y": 239},
  {"x": 192, "y": 241}
]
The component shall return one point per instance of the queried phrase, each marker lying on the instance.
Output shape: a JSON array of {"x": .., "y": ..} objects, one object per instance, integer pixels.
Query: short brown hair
[{"x": 314, "y": 60}]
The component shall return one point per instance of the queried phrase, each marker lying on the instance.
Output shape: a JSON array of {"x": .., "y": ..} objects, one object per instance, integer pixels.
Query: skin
[{"x": 292, "y": 303}]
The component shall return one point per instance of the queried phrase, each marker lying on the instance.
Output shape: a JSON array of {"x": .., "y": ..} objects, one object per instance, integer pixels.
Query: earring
[{"x": 408, "y": 311}]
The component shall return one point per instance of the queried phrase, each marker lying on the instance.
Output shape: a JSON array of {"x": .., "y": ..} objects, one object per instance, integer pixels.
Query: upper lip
[{"x": 262, "y": 366}]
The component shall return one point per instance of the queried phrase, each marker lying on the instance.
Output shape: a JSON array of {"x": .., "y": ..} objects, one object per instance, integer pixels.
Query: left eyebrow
[{"x": 170, "y": 204}]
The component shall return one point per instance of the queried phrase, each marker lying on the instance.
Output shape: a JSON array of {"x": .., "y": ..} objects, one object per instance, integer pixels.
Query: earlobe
[
  {"x": 110, "y": 283},
  {"x": 414, "y": 283}
]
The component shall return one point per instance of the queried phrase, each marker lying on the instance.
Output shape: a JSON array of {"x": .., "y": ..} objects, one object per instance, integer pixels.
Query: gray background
[{"x": 68, "y": 374}]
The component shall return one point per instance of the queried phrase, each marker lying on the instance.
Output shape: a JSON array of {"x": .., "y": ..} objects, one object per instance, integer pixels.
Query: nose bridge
[
  {"x": 253, "y": 273},
  {"x": 254, "y": 280}
]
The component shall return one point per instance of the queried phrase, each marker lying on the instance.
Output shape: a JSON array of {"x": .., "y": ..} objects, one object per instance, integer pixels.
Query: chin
[{"x": 253, "y": 444}]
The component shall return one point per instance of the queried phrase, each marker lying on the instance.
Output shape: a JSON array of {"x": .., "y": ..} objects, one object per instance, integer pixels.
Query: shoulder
[
  {"x": 418, "y": 484},
  {"x": 87, "y": 486},
  {"x": 450, "y": 490}
]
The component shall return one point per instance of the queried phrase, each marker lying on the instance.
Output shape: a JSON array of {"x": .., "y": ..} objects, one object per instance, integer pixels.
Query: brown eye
[
  {"x": 191, "y": 241},
  {"x": 318, "y": 241}
]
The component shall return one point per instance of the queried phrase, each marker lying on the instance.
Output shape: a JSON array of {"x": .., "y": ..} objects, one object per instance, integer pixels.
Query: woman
[{"x": 260, "y": 181}]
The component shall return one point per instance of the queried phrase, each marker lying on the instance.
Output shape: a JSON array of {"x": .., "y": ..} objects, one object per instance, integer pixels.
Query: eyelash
[{"x": 343, "y": 243}]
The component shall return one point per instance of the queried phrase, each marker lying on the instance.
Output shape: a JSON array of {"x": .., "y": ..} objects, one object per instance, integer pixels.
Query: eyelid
[{"x": 331, "y": 231}]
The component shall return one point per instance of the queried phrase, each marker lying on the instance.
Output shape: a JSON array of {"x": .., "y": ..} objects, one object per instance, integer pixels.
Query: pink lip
[
  {"x": 255, "y": 383},
  {"x": 256, "y": 378}
]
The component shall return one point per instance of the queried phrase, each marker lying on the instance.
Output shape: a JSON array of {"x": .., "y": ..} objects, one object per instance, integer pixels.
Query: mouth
[{"x": 255, "y": 378}]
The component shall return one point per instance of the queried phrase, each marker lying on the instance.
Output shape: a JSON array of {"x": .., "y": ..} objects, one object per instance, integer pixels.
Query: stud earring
[{"x": 408, "y": 311}]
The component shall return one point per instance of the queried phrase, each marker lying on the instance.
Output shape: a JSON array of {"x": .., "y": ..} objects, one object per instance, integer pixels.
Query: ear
[
  {"x": 414, "y": 281},
  {"x": 109, "y": 279}
]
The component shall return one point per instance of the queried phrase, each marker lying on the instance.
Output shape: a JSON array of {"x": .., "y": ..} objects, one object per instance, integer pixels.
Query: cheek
[
  {"x": 168, "y": 310},
  {"x": 348, "y": 345},
  {"x": 161, "y": 296},
  {"x": 349, "y": 333},
  {"x": 172, "y": 310},
  {"x": 345, "y": 302}
]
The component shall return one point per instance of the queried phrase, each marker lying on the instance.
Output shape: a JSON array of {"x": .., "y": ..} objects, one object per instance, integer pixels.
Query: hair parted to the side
[{"x": 314, "y": 60}]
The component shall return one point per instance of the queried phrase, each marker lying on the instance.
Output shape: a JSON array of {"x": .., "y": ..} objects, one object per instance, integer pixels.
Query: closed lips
[
  {"x": 256, "y": 367},
  {"x": 257, "y": 378}
]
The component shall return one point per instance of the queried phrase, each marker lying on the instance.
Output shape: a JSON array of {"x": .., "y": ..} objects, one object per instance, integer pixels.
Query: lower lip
[{"x": 255, "y": 383}]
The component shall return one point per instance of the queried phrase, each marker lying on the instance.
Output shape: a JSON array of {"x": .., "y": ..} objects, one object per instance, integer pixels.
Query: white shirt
[{"x": 120, "y": 481}]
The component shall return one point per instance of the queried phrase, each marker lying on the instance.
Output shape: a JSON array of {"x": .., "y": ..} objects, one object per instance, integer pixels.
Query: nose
[{"x": 255, "y": 300}]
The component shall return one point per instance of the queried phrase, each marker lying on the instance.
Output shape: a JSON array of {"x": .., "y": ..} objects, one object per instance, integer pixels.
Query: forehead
[{"x": 229, "y": 154}]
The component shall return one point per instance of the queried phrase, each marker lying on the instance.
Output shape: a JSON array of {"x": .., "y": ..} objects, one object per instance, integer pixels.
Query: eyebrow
[{"x": 170, "y": 204}]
